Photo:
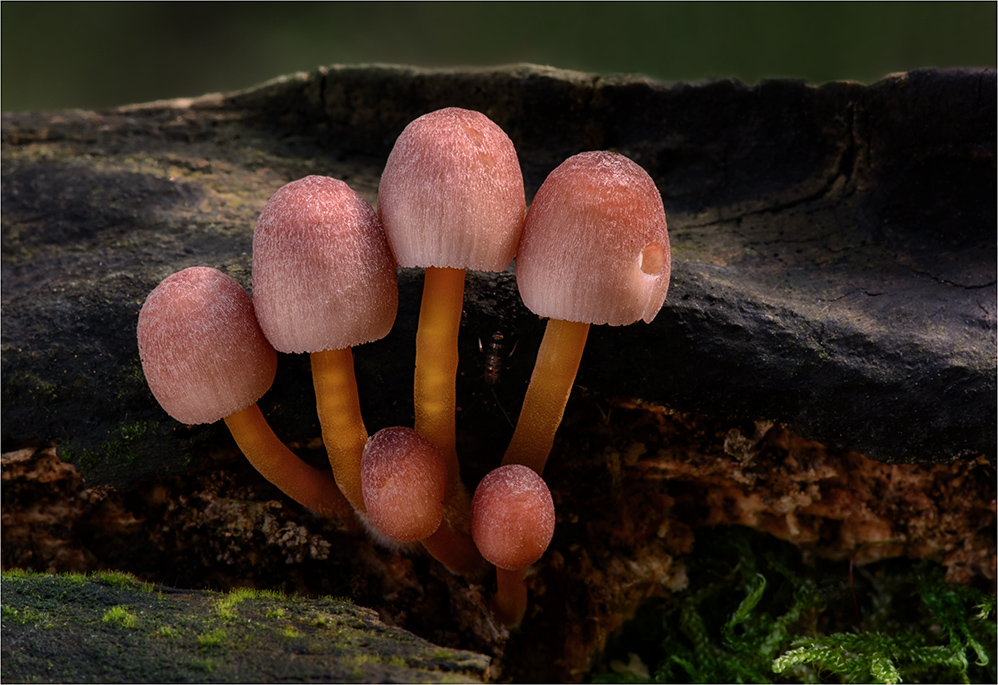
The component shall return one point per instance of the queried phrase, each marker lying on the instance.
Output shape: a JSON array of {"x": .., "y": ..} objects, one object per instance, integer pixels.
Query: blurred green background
[{"x": 92, "y": 55}]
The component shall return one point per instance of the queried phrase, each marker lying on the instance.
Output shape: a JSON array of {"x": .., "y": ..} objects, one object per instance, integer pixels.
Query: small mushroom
[
  {"x": 205, "y": 359},
  {"x": 512, "y": 522},
  {"x": 323, "y": 282},
  {"x": 404, "y": 479},
  {"x": 594, "y": 250}
]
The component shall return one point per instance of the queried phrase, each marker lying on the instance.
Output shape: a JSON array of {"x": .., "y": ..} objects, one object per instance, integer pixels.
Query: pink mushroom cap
[
  {"x": 451, "y": 195},
  {"x": 595, "y": 245},
  {"x": 512, "y": 517},
  {"x": 403, "y": 480},
  {"x": 323, "y": 276},
  {"x": 202, "y": 350}
]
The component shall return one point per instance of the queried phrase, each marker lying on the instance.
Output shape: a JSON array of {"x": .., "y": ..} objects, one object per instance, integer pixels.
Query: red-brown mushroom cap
[
  {"x": 323, "y": 276},
  {"x": 595, "y": 245},
  {"x": 403, "y": 479},
  {"x": 512, "y": 517},
  {"x": 202, "y": 350},
  {"x": 451, "y": 194}
]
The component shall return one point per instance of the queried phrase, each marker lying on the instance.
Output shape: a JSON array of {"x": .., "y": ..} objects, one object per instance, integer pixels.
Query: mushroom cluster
[{"x": 592, "y": 249}]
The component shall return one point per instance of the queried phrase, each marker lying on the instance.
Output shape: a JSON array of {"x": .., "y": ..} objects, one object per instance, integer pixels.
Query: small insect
[{"x": 495, "y": 357}]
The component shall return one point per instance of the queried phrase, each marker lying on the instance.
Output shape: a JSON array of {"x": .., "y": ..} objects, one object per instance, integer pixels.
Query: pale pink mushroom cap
[
  {"x": 202, "y": 351},
  {"x": 451, "y": 194},
  {"x": 323, "y": 276},
  {"x": 403, "y": 480},
  {"x": 512, "y": 517},
  {"x": 595, "y": 245}
]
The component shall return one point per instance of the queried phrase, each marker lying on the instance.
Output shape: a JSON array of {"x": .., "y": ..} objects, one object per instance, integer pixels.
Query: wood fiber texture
[{"x": 833, "y": 251}]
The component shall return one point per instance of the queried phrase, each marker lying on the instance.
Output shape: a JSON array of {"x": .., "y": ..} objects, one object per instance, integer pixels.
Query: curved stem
[
  {"x": 304, "y": 484},
  {"x": 510, "y": 601},
  {"x": 550, "y": 386},
  {"x": 451, "y": 544},
  {"x": 455, "y": 550},
  {"x": 343, "y": 430},
  {"x": 434, "y": 386}
]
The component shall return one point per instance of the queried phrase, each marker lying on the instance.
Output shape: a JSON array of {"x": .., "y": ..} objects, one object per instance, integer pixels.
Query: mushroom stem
[
  {"x": 304, "y": 484},
  {"x": 510, "y": 600},
  {"x": 343, "y": 430},
  {"x": 547, "y": 394},
  {"x": 434, "y": 388},
  {"x": 435, "y": 397}
]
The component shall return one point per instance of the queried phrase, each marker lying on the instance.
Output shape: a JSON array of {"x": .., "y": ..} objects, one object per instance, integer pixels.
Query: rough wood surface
[
  {"x": 110, "y": 627},
  {"x": 834, "y": 251},
  {"x": 639, "y": 490}
]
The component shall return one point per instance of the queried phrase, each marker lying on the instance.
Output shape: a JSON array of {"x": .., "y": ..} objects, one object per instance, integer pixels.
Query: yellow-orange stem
[
  {"x": 547, "y": 394},
  {"x": 455, "y": 550},
  {"x": 304, "y": 484},
  {"x": 434, "y": 387},
  {"x": 343, "y": 430},
  {"x": 510, "y": 601}
]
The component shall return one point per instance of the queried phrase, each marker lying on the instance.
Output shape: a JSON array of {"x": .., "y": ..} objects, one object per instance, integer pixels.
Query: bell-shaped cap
[
  {"x": 451, "y": 194},
  {"x": 202, "y": 350},
  {"x": 403, "y": 480},
  {"x": 595, "y": 245},
  {"x": 323, "y": 276},
  {"x": 512, "y": 517}
]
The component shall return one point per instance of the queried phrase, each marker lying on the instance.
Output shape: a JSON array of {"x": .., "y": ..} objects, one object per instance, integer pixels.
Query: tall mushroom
[
  {"x": 451, "y": 198},
  {"x": 594, "y": 250},
  {"x": 512, "y": 522},
  {"x": 205, "y": 359},
  {"x": 324, "y": 281}
]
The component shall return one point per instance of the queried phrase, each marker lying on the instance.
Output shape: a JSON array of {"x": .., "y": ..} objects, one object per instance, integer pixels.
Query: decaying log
[
  {"x": 834, "y": 251},
  {"x": 112, "y": 628}
]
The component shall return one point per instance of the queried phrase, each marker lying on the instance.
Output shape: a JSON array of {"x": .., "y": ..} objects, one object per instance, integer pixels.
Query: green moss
[
  {"x": 25, "y": 615},
  {"x": 225, "y": 607},
  {"x": 121, "y": 579},
  {"x": 120, "y": 446},
  {"x": 193, "y": 636},
  {"x": 328, "y": 599},
  {"x": 253, "y": 593},
  {"x": 120, "y": 616},
  {"x": 756, "y": 612},
  {"x": 212, "y": 639},
  {"x": 960, "y": 624},
  {"x": 166, "y": 631},
  {"x": 276, "y": 612}
]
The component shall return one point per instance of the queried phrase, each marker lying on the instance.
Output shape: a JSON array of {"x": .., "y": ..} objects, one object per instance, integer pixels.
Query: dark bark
[{"x": 834, "y": 252}]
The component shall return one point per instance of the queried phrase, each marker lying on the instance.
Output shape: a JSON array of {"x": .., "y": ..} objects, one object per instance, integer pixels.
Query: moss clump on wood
[
  {"x": 755, "y": 611},
  {"x": 113, "y": 627}
]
